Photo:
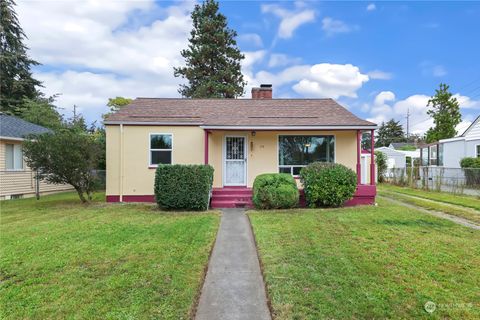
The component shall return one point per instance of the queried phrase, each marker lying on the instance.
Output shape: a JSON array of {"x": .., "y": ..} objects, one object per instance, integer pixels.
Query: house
[
  {"x": 240, "y": 138},
  {"x": 16, "y": 179},
  {"x": 395, "y": 158},
  {"x": 448, "y": 153}
]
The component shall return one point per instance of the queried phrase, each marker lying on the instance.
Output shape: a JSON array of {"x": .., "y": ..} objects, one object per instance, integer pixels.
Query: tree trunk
[{"x": 80, "y": 195}]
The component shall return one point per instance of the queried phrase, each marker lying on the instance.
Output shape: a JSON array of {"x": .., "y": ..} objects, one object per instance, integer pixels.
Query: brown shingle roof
[{"x": 237, "y": 112}]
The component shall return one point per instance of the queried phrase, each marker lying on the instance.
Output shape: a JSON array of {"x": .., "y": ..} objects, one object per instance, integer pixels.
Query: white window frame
[
  {"x": 430, "y": 156},
  {"x": 13, "y": 157},
  {"x": 305, "y": 135},
  {"x": 477, "y": 150},
  {"x": 150, "y": 165}
]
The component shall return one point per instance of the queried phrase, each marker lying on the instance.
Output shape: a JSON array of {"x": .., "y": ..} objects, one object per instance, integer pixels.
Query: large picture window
[
  {"x": 295, "y": 152},
  {"x": 160, "y": 148}
]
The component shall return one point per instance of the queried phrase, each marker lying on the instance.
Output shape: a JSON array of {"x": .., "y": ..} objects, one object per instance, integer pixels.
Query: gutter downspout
[{"x": 121, "y": 163}]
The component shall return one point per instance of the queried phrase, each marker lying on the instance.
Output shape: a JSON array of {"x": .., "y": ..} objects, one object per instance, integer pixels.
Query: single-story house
[
  {"x": 448, "y": 153},
  {"x": 240, "y": 138},
  {"x": 395, "y": 158},
  {"x": 16, "y": 179}
]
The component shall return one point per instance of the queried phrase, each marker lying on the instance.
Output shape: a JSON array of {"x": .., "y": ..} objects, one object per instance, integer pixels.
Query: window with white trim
[
  {"x": 160, "y": 148},
  {"x": 478, "y": 150},
  {"x": 433, "y": 155},
  {"x": 13, "y": 157},
  {"x": 296, "y": 152}
]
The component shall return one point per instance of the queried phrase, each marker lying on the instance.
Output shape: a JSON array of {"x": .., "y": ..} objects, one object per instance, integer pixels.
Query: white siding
[
  {"x": 453, "y": 152},
  {"x": 474, "y": 132}
]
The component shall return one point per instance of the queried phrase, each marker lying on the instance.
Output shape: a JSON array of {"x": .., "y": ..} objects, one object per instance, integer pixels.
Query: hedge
[
  {"x": 328, "y": 184},
  {"x": 183, "y": 187},
  {"x": 275, "y": 191}
]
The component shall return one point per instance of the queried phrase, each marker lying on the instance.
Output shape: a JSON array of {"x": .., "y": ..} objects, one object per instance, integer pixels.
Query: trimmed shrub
[
  {"x": 183, "y": 187},
  {"x": 470, "y": 162},
  {"x": 328, "y": 184},
  {"x": 275, "y": 191},
  {"x": 471, "y": 168}
]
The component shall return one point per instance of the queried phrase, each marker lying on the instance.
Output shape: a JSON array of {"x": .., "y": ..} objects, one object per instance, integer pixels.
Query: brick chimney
[{"x": 264, "y": 92}]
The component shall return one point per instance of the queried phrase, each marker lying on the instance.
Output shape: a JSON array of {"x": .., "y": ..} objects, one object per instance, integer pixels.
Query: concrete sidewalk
[{"x": 233, "y": 287}]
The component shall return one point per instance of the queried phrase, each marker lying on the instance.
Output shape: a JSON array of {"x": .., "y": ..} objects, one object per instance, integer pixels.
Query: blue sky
[{"x": 376, "y": 58}]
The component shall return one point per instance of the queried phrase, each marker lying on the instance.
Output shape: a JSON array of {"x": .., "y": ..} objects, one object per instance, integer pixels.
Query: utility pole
[{"x": 408, "y": 123}]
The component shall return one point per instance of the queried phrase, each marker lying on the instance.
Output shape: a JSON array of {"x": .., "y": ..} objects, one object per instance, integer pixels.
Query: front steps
[{"x": 231, "y": 197}]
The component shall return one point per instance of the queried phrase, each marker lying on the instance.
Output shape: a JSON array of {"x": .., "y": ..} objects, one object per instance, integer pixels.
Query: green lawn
[
  {"x": 472, "y": 215},
  {"x": 61, "y": 259},
  {"x": 367, "y": 263},
  {"x": 459, "y": 200}
]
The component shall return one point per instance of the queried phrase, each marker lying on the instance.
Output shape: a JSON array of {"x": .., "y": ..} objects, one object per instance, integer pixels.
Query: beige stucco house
[
  {"x": 240, "y": 138},
  {"x": 17, "y": 180}
]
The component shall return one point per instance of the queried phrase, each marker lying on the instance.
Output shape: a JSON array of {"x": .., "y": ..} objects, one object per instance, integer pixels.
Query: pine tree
[
  {"x": 389, "y": 132},
  {"x": 445, "y": 111},
  {"x": 212, "y": 59},
  {"x": 16, "y": 81}
]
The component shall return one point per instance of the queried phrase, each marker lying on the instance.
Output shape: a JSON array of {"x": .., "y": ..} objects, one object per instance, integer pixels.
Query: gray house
[{"x": 466, "y": 145}]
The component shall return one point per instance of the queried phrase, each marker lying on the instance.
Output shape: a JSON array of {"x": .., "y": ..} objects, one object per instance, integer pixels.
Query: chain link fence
[{"x": 454, "y": 180}]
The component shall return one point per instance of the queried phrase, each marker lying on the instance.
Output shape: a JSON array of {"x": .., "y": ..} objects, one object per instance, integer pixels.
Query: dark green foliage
[
  {"x": 445, "y": 111},
  {"x": 470, "y": 162},
  {"x": 408, "y": 148},
  {"x": 471, "y": 168},
  {"x": 328, "y": 184},
  {"x": 389, "y": 132},
  {"x": 183, "y": 187},
  {"x": 16, "y": 81},
  {"x": 381, "y": 162},
  {"x": 40, "y": 111},
  {"x": 212, "y": 59},
  {"x": 275, "y": 191},
  {"x": 65, "y": 157}
]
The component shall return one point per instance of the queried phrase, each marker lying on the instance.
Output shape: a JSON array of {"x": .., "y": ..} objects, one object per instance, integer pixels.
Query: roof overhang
[
  {"x": 11, "y": 138},
  {"x": 151, "y": 123},
  {"x": 270, "y": 128}
]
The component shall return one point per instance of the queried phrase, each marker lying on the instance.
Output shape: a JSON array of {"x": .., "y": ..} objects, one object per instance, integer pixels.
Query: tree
[
  {"x": 65, "y": 157},
  {"x": 212, "y": 59},
  {"x": 381, "y": 162},
  {"x": 389, "y": 132},
  {"x": 40, "y": 111},
  {"x": 16, "y": 80},
  {"x": 445, "y": 111},
  {"x": 117, "y": 103}
]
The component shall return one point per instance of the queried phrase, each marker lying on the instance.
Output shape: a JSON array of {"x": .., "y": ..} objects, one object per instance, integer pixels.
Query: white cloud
[
  {"x": 331, "y": 80},
  {"x": 105, "y": 48},
  {"x": 380, "y": 75},
  {"x": 430, "y": 69},
  {"x": 385, "y": 107},
  {"x": 332, "y": 26},
  {"x": 251, "y": 38},
  {"x": 371, "y": 7},
  {"x": 290, "y": 20},
  {"x": 281, "y": 60}
]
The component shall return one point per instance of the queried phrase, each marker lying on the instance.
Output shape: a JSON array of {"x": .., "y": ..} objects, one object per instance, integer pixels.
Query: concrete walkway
[{"x": 233, "y": 287}]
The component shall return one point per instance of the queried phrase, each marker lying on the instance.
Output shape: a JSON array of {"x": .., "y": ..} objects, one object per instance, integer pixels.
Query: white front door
[{"x": 235, "y": 161}]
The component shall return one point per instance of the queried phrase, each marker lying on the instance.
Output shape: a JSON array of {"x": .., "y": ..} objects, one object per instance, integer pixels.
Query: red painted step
[{"x": 232, "y": 197}]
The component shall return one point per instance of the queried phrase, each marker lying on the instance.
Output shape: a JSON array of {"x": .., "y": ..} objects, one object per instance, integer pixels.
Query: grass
[
  {"x": 459, "y": 211},
  {"x": 459, "y": 200},
  {"x": 61, "y": 259},
  {"x": 367, "y": 263}
]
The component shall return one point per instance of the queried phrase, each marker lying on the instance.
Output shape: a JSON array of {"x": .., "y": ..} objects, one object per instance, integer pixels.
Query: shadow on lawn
[{"x": 413, "y": 223}]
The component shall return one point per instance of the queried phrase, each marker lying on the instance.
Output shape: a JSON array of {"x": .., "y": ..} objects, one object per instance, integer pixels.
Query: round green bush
[
  {"x": 328, "y": 184},
  {"x": 275, "y": 191}
]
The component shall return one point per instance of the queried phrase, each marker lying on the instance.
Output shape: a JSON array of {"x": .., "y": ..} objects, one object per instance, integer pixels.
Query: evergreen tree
[
  {"x": 389, "y": 132},
  {"x": 40, "y": 111},
  {"x": 212, "y": 59},
  {"x": 445, "y": 111},
  {"x": 16, "y": 81}
]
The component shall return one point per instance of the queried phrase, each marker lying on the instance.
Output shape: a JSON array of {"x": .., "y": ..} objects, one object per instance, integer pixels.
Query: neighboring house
[
  {"x": 16, "y": 179},
  {"x": 449, "y": 152},
  {"x": 395, "y": 158},
  {"x": 240, "y": 138}
]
